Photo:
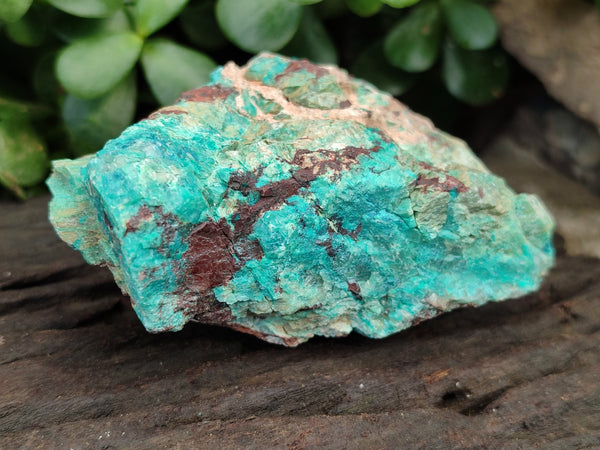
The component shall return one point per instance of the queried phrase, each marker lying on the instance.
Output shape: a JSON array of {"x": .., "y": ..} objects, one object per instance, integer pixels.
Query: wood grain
[{"x": 77, "y": 370}]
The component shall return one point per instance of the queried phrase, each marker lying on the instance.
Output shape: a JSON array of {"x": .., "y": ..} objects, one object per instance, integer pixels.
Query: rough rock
[
  {"x": 569, "y": 144},
  {"x": 289, "y": 200},
  {"x": 559, "y": 41}
]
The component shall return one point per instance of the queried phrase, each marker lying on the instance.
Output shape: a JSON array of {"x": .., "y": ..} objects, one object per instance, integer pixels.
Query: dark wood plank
[{"x": 77, "y": 369}]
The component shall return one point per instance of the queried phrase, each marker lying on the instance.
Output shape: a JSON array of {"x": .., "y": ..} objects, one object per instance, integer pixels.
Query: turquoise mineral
[{"x": 288, "y": 200}]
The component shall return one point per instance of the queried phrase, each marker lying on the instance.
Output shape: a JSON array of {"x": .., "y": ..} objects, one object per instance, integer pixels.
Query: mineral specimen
[{"x": 287, "y": 200}]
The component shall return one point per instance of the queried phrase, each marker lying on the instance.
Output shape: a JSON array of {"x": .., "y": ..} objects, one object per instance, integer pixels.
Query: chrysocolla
[{"x": 287, "y": 200}]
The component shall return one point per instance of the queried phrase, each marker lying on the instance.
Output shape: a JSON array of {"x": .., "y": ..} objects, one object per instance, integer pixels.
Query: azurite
[{"x": 287, "y": 200}]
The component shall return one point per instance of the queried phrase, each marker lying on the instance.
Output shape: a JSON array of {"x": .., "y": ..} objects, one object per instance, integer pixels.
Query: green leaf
[
  {"x": 172, "y": 69},
  {"x": 92, "y": 122},
  {"x": 330, "y": 9},
  {"x": 476, "y": 77},
  {"x": 91, "y": 67},
  {"x": 23, "y": 158},
  {"x": 414, "y": 43},
  {"x": 87, "y": 8},
  {"x": 306, "y": 2},
  {"x": 13, "y": 109},
  {"x": 470, "y": 24},
  {"x": 400, "y": 3},
  {"x": 151, "y": 15},
  {"x": 311, "y": 41},
  {"x": 371, "y": 65},
  {"x": 13, "y": 10},
  {"x": 71, "y": 28},
  {"x": 45, "y": 84},
  {"x": 16, "y": 109},
  {"x": 364, "y": 8},
  {"x": 255, "y": 25},
  {"x": 30, "y": 30},
  {"x": 200, "y": 25},
  {"x": 598, "y": 3}
]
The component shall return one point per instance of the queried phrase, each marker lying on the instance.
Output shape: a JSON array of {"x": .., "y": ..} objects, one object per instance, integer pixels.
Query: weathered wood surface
[{"x": 77, "y": 370}]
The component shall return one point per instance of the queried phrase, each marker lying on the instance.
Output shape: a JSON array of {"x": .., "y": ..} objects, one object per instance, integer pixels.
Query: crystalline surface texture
[{"x": 287, "y": 200}]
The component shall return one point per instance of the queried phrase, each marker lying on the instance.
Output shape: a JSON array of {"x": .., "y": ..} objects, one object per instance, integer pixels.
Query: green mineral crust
[{"x": 287, "y": 200}]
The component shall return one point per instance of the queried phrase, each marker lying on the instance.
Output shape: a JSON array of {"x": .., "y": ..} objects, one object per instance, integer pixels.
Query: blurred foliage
[{"x": 77, "y": 72}]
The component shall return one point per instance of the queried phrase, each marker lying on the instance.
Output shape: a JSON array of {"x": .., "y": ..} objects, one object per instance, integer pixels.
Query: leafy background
[{"x": 77, "y": 72}]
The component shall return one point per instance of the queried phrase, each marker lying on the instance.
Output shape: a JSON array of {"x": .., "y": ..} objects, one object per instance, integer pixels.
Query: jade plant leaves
[
  {"x": 45, "y": 84},
  {"x": 71, "y": 28},
  {"x": 151, "y": 15},
  {"x": 23, "y": 158},
  {"x": 87, "y": 8},
  {"x": 312, "y": 41},
  {"x": 413, "y": 44},
  {"x": 200, "y": 25},
  {"x": 30, "y": 30},
  {"x": 330, "y": 9},
  {"x": 371, "y": 65},
  {"x": 400, "y": 3},
  {"x": 91, "y": 67},
  {"x": 92, "y": 122},
  {"x": 13, "y": 10},
  {"x": 171, "y": 69},
  {"x": 470, "y": 24},
  {"x": 364, "y": 8},
  {"x": 475, "y": 77},
  {"x": 256, "y": 25},
  {"x": 86, "y": 52}
]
